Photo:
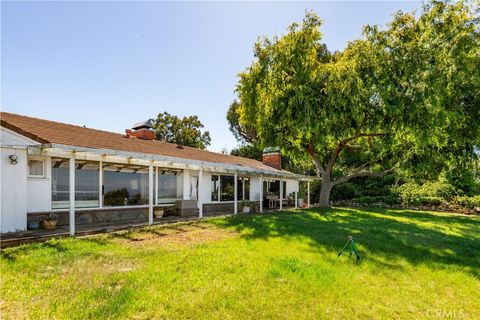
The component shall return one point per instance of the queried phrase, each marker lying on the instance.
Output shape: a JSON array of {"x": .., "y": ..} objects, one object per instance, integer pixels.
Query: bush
[
  {"x": 468, "y": 202},
  {"x": 412, "y": 193},
  {"x": 430, "y": 201},
  {"x": 344, "y": 191}
]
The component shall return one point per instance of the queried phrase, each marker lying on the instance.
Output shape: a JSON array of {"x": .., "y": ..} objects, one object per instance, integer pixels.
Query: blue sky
[{"x": 108, "y": 64}]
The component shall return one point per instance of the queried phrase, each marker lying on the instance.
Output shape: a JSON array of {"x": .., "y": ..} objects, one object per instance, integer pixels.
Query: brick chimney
[
  {"x": 141, "y": 130},
  {"x": 272, "y": 157}
]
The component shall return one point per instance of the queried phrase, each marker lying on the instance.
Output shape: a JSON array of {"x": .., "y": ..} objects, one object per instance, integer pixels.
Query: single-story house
[{"x": 85, "y": 175}]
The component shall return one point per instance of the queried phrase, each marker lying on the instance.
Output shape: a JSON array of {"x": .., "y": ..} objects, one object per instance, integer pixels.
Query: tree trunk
[{"x": 324, "y": 201}]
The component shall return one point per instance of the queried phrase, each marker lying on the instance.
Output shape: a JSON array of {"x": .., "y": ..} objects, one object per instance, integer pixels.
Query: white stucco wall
[
  {"x": 13, "y": 190},
  {"x": 255, "y": 188},
  {"x": 39, "y": 189},
  {"x": 13, "y": 181},
  {"x": 206, "y": 187},
  {"x": 292, "y": 186}
]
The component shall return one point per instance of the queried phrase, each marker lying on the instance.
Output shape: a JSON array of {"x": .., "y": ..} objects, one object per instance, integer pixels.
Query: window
[
  {"x": 60, "y": 183},
  {"x": 284, "y": 190},
  {"x": 215, "y": 188},
  {"x": 227, "y": 187},
  {"x": 36, "y": 168},
  {"x": 223, "y": 188},
  {"x": 272, "y": 187},
  {"x": 243, "y": 188},
  {"x": 125, "y": 185},
  {"x": 170, "y": 186},
  {"x": 246, "y": 188},
  {"x": 86, "y": 184}
]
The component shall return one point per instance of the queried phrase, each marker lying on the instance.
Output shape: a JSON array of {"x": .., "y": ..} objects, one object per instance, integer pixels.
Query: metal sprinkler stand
[{"x": 350, "y": 245}]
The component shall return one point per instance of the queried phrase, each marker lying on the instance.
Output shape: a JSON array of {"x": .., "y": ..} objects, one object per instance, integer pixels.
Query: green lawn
[{"x": 278, "y": 266}]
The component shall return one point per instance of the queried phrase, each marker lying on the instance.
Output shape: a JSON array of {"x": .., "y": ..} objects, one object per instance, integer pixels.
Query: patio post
[
  {"x": 261, "y": 194},
  {"x": 308, "y": 193},
  {"x": 100, "y": 184},
  {"x": 281, "y": 194},
  {"x": 156, "y": 185},
  {"x": 71, "y": 216},
  {"x": 150, "y": 194},
  {"x": 296, "y": 199},
  {"x": 235, "y": 188},
  {"x": 200, "y": 193}
]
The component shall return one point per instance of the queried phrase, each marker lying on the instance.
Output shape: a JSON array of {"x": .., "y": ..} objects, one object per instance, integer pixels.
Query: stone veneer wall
[
  {"x": 225, "y": 208},
  {"x": 95, "y": 216}
]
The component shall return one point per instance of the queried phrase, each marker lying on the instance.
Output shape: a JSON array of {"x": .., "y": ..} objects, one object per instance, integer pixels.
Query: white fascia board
[{"x": 135, "y": 158}]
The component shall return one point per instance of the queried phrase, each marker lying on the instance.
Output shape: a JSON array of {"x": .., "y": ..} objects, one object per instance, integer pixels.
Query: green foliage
[
  {"x": 185, "y": 131},
  {"x": 413, "y": 193},
  {"x": 250, "y": 151},
  {"x": 403, "y": 97},
  {"x": 468, "y": 202},
  {"x": 345, "y": 191},
  {"x": 116, "y": 197},
  {"x": 429, "y": 201},
  {"x": 241, "y": 131}
]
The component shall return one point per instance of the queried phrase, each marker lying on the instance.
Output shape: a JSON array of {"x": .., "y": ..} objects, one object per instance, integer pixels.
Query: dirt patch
[{"x": 183, "y": 235}]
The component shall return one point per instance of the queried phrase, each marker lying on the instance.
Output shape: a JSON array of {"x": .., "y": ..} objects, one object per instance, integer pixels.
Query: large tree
[
  {"x": 186, "y": 131},
  {"x": 395, "y": 98}
]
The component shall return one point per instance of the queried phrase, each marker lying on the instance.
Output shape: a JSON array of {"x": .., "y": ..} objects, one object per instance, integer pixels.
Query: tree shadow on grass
[{"x": 436, "y": 240}]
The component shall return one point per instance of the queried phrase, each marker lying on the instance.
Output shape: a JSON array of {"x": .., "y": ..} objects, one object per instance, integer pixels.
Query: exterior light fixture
[{"x": 13, "y": 159}]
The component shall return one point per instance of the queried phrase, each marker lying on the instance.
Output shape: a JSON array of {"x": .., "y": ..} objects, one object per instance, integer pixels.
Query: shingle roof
[{"x": 45, "y": 132}]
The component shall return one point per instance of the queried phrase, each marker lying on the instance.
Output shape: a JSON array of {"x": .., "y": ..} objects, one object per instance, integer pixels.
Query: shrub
[
  {"x": 344, "y": 191},
  {"x": 430, "y": 201},
  {"x": 468, "y": 202},
  {"x": 412, "y": 193}
]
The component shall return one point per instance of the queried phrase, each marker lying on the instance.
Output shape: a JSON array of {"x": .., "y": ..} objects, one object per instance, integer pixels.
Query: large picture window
[
  {"x": 170, "y": 186},
  {"x": 60, "y": 183},
  {"x": 272, "y": 187},
  {"x": 223, "y": 188},
  {"x": 227, "y": 187},
  {"x": 125, "y": 185},
  {"x": 86, "y": 184},
  {"x": 243, "y": 188}
]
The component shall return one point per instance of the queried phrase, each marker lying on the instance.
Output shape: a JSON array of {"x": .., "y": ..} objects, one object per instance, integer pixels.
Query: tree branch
[
  {"x": 344, "y": 143},
  {"x": 360, "y": 172},
  {"x": 311, "y": 151}
]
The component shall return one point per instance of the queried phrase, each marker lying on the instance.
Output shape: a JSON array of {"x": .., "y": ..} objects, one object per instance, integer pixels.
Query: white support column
[
  {"x": 100, "y": 184},
  {"x": 156, "y": 186},
  {"x": 71, "y": 216},
  {"x": 243, "y": 189},
  {"x": 235, "y": 204},
  {"x": 261, "y": 194},
  {"x": 150, "y": 194},
  {"x": 200, "y": 194},
  {"x": 281, "y": 194},
  {"x": 296, "y": 199},
  {"x": 308, "y": 194}
]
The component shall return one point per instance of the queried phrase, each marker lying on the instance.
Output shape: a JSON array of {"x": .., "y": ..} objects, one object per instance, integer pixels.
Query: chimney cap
[
  {"x": 146, "y": 124},
  {"x": 271, "y": 150}
]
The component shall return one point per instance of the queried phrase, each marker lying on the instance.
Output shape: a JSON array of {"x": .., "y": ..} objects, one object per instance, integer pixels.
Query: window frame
[
  {"x": 239, "y": 187},
  {"x": 43, "y": 175}
]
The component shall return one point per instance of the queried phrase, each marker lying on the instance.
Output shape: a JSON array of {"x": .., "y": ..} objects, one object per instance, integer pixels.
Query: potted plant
[
  {"x": 301, "y": 198},
  {"x": 158, "y": 213},
  {"x": 50, "y": 222},
  {"x": 245, "y": 206}
]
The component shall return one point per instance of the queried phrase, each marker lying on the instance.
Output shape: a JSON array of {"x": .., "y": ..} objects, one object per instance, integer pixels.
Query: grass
[{"x": 278, "y": 266}]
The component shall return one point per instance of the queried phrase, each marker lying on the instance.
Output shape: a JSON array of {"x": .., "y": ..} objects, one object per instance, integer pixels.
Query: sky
[{"x": 108, "y": 65}]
